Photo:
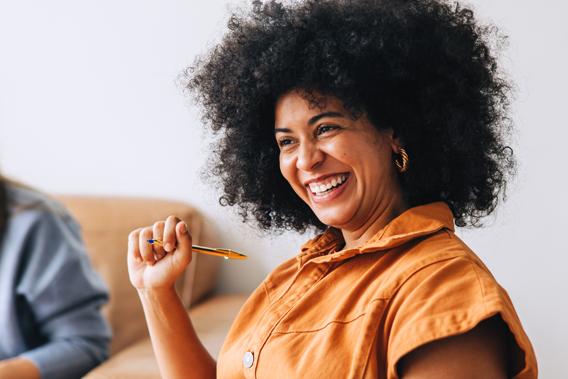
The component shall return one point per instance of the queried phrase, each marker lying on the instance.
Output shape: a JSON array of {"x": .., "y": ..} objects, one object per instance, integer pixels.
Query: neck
[{"x": 381, "y": 218}]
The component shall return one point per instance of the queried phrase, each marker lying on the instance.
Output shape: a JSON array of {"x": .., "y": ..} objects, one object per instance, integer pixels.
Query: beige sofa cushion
[{"x": 106, "y": 223}]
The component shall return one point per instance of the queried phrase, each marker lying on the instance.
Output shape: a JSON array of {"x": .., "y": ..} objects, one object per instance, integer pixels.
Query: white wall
[{"x": 88, "y": 105}]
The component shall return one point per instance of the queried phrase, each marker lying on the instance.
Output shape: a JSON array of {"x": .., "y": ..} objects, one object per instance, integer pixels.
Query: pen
[{"x": 225, "y": 253}]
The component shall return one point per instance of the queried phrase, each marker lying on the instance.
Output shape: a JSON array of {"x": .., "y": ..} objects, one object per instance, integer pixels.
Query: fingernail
[
  {"x": 168, "y": 247},
  {"x": 160, "y": 256},
  {"x": 138, "y": 259},
  {"x": 183, "y": 227}
]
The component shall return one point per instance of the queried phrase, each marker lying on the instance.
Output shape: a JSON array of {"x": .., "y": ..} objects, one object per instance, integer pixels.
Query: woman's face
[{"x": 342, "y": 168}]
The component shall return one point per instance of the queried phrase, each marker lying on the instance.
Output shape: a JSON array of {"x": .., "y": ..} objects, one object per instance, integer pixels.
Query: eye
[
  {"x": 284, "y": 142},
  {"x": 326, "y": 128}
]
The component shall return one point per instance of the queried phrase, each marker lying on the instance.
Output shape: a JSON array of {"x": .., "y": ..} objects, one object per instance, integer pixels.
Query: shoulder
[
  {"x": 40, "y": 234},
  {"x": 32, "y": 212},
  {"x": 440, "y": 278},
  {"x": 26, "y": 201},
  {"x": 442, "y": 290},
  {"x": 424, "y": 257}
]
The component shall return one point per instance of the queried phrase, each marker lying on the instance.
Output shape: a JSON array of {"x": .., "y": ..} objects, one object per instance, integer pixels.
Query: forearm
[
  {"x": 69, "y": 358},
  {"x": 179, "y": 351},
  {"x": 18, "y": 368}
]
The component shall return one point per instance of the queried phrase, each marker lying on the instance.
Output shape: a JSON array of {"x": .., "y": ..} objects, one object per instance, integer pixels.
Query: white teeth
[{"x": 321, "y": 188}]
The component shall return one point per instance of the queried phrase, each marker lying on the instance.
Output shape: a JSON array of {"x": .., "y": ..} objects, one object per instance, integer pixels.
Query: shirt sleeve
[
  {"x": 64, "y": 296},
  {"x": 448, "y": 298}
]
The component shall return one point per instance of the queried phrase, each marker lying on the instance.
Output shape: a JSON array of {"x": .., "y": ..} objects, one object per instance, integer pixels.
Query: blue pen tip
[{"x": 151, "y": 241}]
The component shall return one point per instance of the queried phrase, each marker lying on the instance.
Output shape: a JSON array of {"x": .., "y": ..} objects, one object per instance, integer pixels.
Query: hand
[
  {"x": 18, "y": 368},
  {"x": 155, "y": 267}
]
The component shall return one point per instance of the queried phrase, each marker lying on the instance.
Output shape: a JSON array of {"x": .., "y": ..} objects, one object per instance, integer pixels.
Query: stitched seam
[
  {"x": 266, "y": 292},
  {"x": 396, "y": 241},
  {"x": 323, "y": 327},
  {"x": 332, "y": 322},
  {"x": 411, "y": 331},
  {"x": 415, "y": 272},
  {"x": 385, "y": 230},
  {"x": 474, "y": 268},
  {"x": 369, "y": 347}
]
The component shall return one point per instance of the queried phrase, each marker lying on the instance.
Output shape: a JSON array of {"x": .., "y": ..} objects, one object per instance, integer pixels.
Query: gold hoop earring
[{"x": 402, "y": 168}]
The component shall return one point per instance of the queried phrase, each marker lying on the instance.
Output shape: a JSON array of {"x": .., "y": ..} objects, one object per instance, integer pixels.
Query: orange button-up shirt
[{"x": 354, "y": 313}]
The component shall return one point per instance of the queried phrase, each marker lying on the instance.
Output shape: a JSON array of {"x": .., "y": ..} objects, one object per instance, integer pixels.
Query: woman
[
  {"x": 50, "y": 297},
  {"x": 380, "y": 123}
]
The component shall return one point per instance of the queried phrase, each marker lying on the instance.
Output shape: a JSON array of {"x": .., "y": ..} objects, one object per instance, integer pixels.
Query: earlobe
[
  {"x": 396, "y": 146},
  {"x": 395, "y": 142}
]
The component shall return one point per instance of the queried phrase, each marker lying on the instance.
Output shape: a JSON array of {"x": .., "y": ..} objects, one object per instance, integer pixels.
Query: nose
[{"x": 310, "y": 156}]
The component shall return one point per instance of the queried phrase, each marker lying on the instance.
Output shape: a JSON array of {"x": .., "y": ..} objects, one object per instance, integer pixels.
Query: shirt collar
[{"x": 414, "y": 223}]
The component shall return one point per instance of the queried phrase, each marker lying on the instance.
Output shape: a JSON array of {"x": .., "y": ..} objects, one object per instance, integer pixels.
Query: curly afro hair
[{"x": 424, "y": 68}]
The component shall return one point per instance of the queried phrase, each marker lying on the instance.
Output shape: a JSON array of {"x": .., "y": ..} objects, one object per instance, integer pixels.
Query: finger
[
  {"x": 133, "y": 245},
  {"x": 158, "y": 233},
  {"x": 170, "y": 233},
  {"x": 184, "y": 247},
  {"x": 146, "y": 249}
]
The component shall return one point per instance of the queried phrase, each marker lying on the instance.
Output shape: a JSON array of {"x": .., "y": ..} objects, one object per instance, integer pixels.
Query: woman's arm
[
  {"x": 179, "y": 351},
  {"x": 153, "y": 270},
  {"x": 480, "y": 353},
  {"x": 18, "y": 368}
]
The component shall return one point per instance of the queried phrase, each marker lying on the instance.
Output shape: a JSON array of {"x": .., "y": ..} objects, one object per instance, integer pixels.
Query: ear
[{"x": 395, "y": 143}]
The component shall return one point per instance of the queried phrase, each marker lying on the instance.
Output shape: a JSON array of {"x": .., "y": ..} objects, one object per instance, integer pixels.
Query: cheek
[
  {"x": 286, "y": 168},
  {"x": 290, "y": 173},
  {"x": 341, "y": 149}
]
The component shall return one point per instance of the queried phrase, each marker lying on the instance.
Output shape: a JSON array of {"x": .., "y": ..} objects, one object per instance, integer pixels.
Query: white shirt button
[{"x": 248, "y": 359}]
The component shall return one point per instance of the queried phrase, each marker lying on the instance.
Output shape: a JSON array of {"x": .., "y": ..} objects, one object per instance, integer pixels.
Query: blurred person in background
[{"x": 51, "y": 326}]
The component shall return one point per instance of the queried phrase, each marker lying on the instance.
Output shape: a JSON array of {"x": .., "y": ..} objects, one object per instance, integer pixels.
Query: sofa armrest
[{"x": 212, "y": 320}]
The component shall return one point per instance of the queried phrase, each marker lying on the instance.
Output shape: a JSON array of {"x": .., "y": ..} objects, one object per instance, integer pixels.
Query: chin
[{"x": 333, "y": 220}]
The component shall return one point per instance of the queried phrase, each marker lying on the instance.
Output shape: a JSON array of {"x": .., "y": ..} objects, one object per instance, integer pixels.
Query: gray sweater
[{"x": 49, "y": 294}]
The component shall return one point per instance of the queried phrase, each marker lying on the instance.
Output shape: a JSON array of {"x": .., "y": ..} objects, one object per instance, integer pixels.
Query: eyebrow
[
  {"x": 312, "y": 120},
  {"x": 322, "y": 115}
]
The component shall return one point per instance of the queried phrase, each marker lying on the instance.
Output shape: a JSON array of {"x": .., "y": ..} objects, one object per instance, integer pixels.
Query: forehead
[{"x": 296, "y": 107}]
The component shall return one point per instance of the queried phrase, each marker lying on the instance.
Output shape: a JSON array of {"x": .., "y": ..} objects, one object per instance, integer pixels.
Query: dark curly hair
[{"x": 424, "y": 68}]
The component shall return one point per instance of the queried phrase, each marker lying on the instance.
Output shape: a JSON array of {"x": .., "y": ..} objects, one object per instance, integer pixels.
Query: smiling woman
[{"x": 382, "y": 124}]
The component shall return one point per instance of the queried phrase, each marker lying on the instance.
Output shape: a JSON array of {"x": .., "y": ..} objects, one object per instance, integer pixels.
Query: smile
[{"x": 328, "y": 185}]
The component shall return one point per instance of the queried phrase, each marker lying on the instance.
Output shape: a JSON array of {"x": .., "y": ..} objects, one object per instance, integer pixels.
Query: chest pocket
[{"x": 312, "y": 346}]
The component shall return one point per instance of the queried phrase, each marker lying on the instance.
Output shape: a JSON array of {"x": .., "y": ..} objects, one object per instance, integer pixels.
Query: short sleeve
[{"x": 448, "y": 298}]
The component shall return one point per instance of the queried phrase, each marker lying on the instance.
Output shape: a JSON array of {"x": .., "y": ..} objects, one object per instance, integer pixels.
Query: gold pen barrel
[
  {"x": 225, "y": 253},
  {"x": 232, "y": 254}
]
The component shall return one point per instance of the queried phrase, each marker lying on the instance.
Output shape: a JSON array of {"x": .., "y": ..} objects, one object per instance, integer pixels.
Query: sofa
[{"x": 106, "y": 223}]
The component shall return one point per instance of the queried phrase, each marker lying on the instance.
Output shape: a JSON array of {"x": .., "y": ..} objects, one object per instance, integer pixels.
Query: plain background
[{"x": 89, "y": 105}]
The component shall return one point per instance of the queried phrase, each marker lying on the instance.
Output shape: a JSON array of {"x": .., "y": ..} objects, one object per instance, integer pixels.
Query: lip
[{"x": 330, "y": 196}]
